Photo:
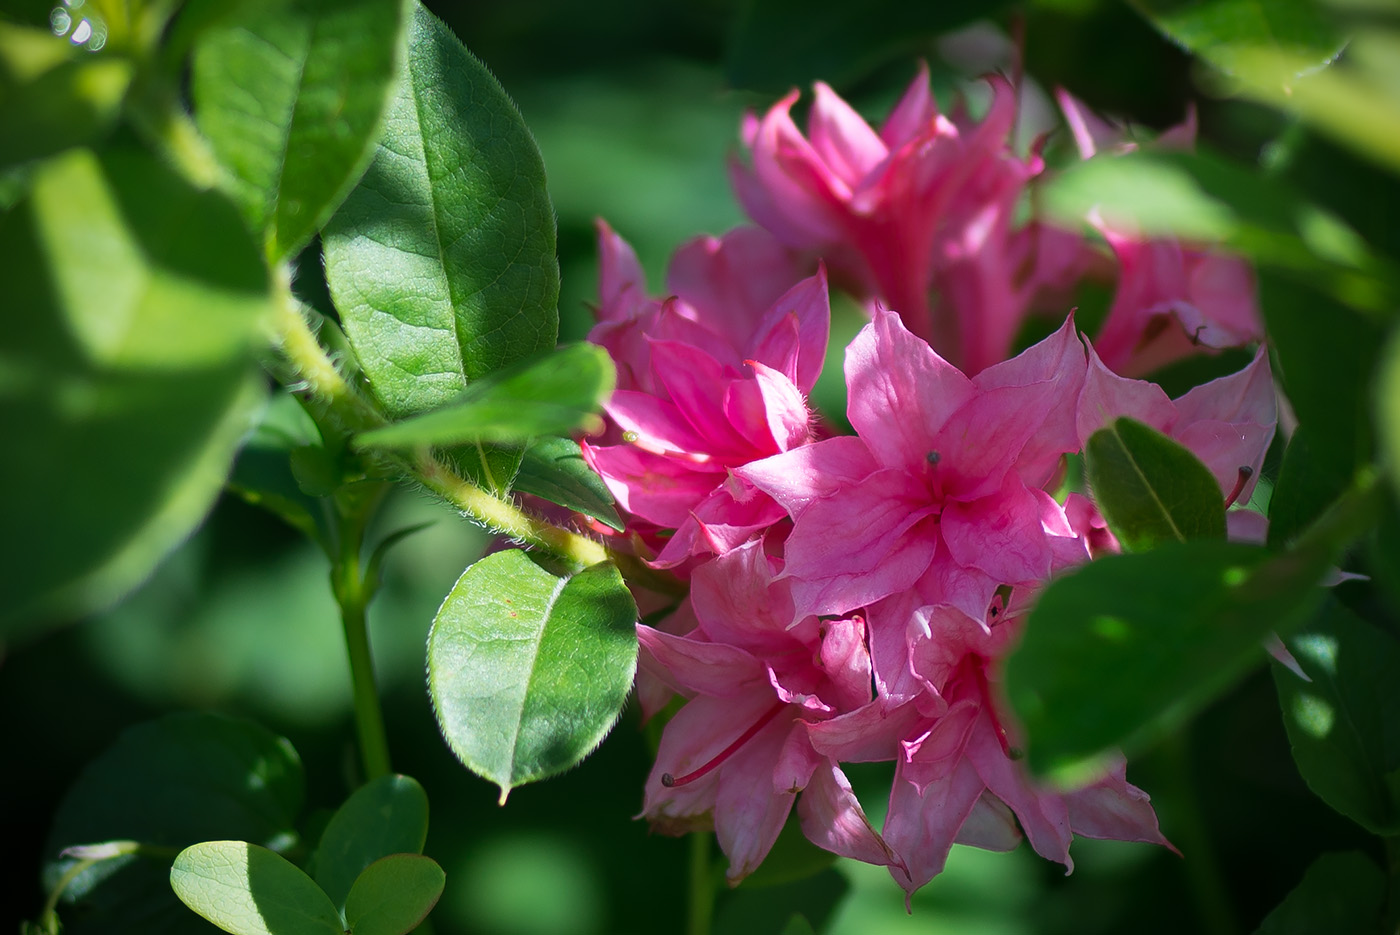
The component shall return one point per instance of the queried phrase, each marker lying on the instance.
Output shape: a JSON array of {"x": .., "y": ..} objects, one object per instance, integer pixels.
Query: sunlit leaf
[
  {"x": 1161, "y": 633},
  {"x": 126, "y": 382},
  {"x": 290, "y": 96},
  {"x": 528, "y": 670},
  {"x": 1344, "y": 725},
  {"x": 393, "y": 895},
  {"x": 441, "y": 261},
  {"x": 249, "y": 890},
  {"x": 54, "y": 93},
  {"x": 1150, "y": 489},
  {"x": 383, "y": 817},
  {"x": 1225, "y": 32},
  {"x": 553, "y": 468},
  {"x": 557, "y": 395}
]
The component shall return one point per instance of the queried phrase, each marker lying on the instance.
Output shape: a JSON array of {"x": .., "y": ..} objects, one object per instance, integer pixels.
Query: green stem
[
  {"x": 343, "y": 404},
  {"x": 702, "y": 885},
  {"x": 353, "y": 592},
  {"x": 1202, "y": 868}
]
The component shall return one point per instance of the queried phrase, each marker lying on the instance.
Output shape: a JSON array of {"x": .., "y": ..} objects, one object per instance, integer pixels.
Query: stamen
[
  {"x": 671, "y": 782},
  {"x": 1246, "y": 472},
  {"x": 630, "y": 437},
  {"x": 933, "y": 457}
]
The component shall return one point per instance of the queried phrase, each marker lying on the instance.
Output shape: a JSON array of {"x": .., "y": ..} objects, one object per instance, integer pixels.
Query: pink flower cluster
[{"x": 850, "y": 597}]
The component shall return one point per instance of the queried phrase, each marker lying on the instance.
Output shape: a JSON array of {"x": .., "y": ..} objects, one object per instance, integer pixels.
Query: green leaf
[
  {"x": 291, "y": 96},
  {"x": 1326, "y": 371},
  {"x": 441, "y": 261},
  {"x": 556, "y": 395},
  {"x": 1150, "y": 489},
  {"x": 798, "y": 925},
  {"x": 125, "y": 376},
  {"x": 1340, "y": 893},
  {"x": 529, "y": 670},
  {"x": 553, "y": 468},
  {"x": 1344, "y": 725},
  {"x": 54, "y": 94},
  {"x": 393, "y": 895},
  {"x": 1312, "y": 476},
  {"x": 170, "y": 783},
  {"x": 1161, "y": 633},
  {"x": 1388, "y": 406},
  {"x": 776, "y": 44},
  {"x": 383, "y": 817},
  {"x": 249, "y": 890},
  {"x": 1228, "y": 33}
]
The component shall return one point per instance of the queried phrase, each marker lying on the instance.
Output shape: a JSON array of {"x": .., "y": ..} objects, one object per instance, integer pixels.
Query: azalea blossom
[
  {"x": 944, "y": 476},
  {"x": 917, "y": 215},
  {"x": 1172, "y": 300},
  {"x": 737, "y": 755},
  {"x": 710, "y": 379}
]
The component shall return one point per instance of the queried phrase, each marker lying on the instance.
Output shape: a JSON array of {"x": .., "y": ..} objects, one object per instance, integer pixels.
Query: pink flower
[
  {"x": 1172, "y": 300},
  {"x": 958, "y": 780},
  {"x": 737, "y": 754},
  {"x": 944, "y": 477},
  {"x": 1228, "y": 423},
  {"x": 710, "y": 380},
  {"x": 923, "y": 205}
]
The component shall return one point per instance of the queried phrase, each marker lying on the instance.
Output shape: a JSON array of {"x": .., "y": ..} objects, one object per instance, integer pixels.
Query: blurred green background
[{"x": 634, "y": 107}]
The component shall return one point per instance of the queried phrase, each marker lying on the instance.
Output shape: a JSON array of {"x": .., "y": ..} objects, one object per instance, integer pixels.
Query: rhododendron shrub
[{"x": 992, "y": 591}]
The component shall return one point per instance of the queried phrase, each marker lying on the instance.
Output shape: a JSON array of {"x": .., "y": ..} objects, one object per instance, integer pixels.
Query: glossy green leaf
[
  {"x": 1340, "y": 893},
  {"x": 1150, "y": 489},
  {"x": 553, "y": 468},
  {"x": 1344, "y": 725},
  {"x": 126, "y": 372},
  {"x": 290, "y": 97},
  {"x": 54, "y": 94},
  {"x": 170, "y": 783},
  {"x": 1161, "y": 633},
  {"x": 529, "y": 670},
  {"x": 441, "y": 261},
  {"x": 1354, "y": 102},
  {"x": 393, "y": 895},
  {"x": 556, "y": 395},
  {"x": 383, "y": 817},
  {"x": 1226, "y": 33},
  {"x": 249, "y": 890},
  {"x": 776, "y": 44}
]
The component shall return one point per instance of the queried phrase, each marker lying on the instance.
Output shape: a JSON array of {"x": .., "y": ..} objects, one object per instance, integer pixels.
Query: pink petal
[
  {"x": 652, "y": 487},
  {"x": 810, "y": 303},
  {"x": 1114, "y": 810},
  {"x": 621, "y": 283},
  {"x": 900, "y": 392},
  {"x": 848, "y": 551},
  {"x": 731, "y": 281},
  {"x": 798, "y": 477},
  {"x": 991, "y": 826},
  {"x": 1106, "y": 396},
  {"x": 842, "y": 138},
  {"x": 833, "y": 820},
  {"x": 911, "y": 116},
  {"x": 1245, "y": 396},
  {"x": 696, "y": 382},
  {"x": 869, "y": 734},
  {"x": 698, "y": 667},
  {"x": 921, "y": 827},
  {"x": 1000, "y": 535},
  {"x": 748, "y": 814},
  {"x": 1043, "y": 815}
]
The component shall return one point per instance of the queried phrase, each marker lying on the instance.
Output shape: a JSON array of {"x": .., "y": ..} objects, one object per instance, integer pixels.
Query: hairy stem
[{"x": 313, "y": 371}]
